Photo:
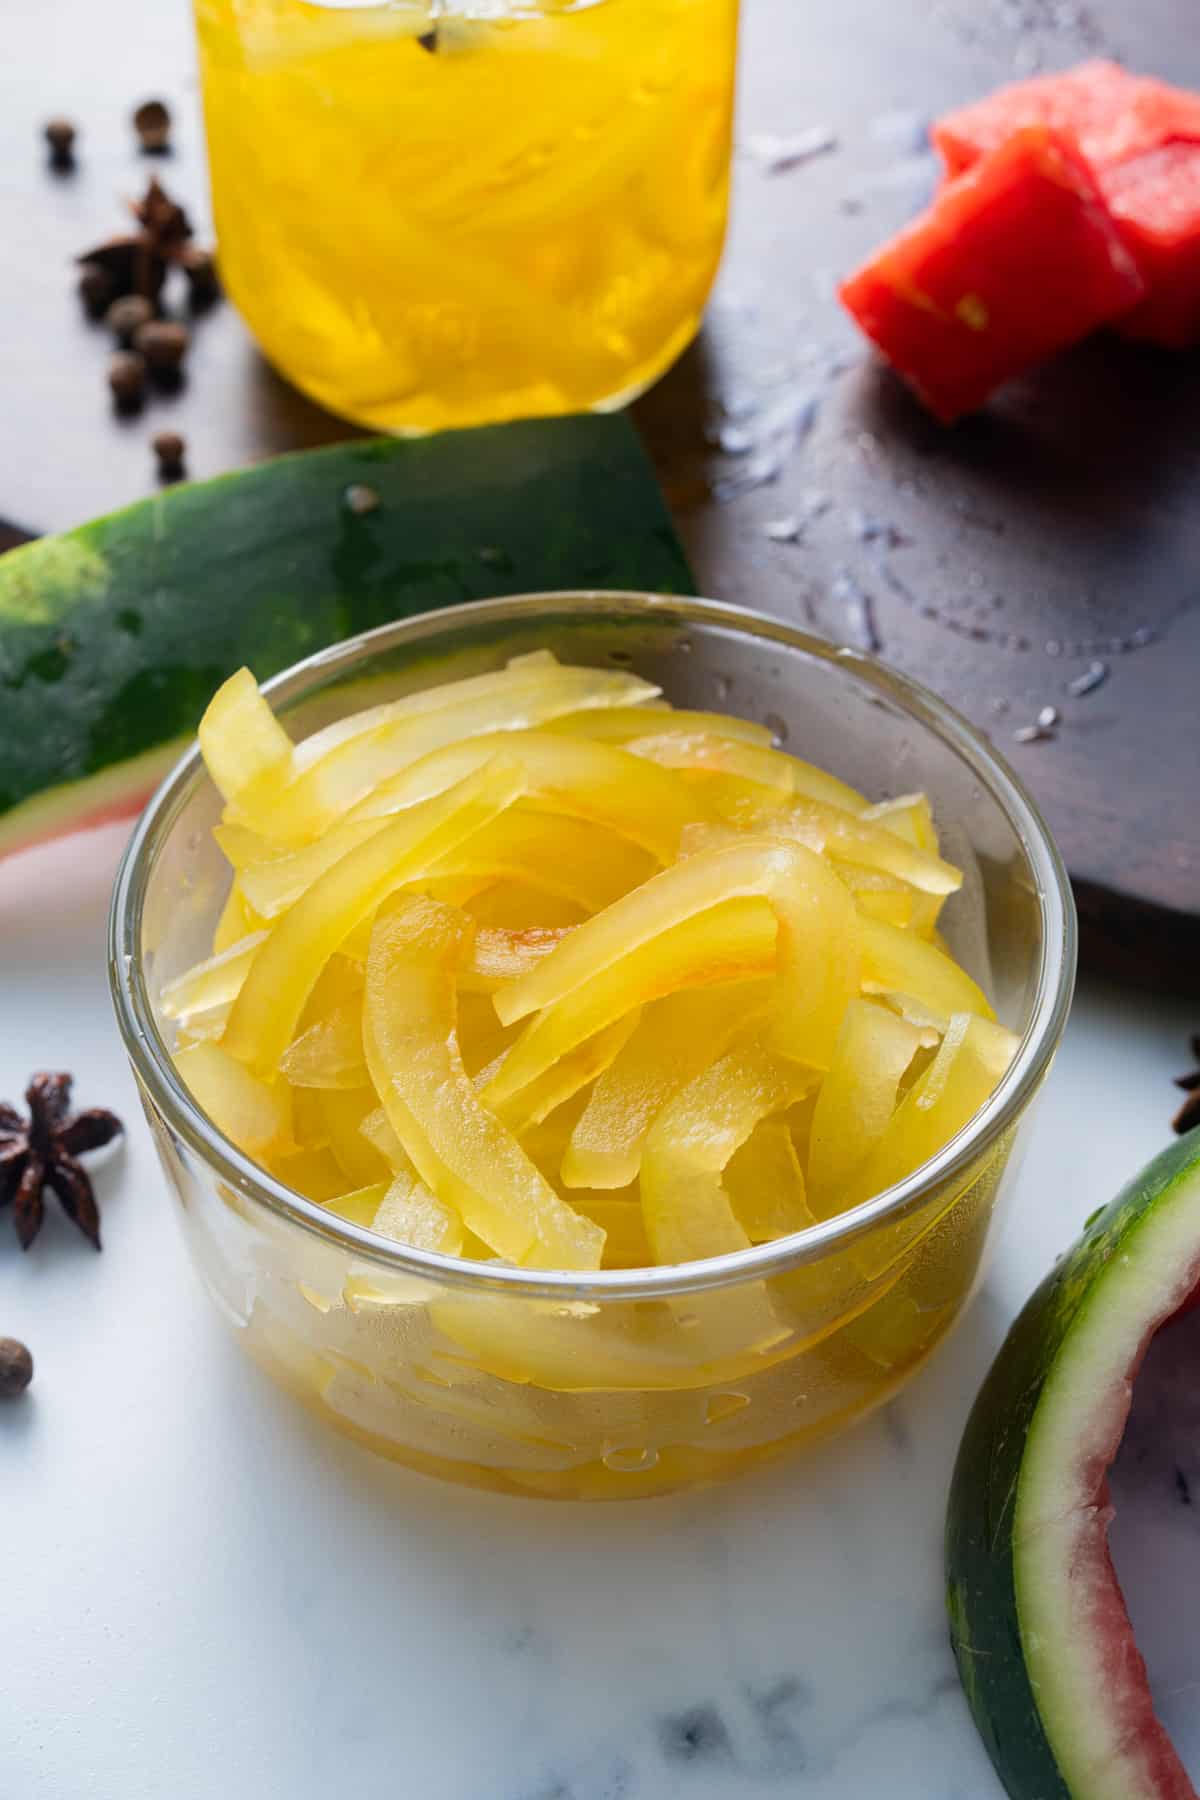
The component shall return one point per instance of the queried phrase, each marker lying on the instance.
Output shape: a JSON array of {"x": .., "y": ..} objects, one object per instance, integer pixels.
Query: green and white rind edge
[
  {"x": 113, "y": 793},
  {"x": 1028, "y": 1668},
  {"x": 1150, "y": 1273}
]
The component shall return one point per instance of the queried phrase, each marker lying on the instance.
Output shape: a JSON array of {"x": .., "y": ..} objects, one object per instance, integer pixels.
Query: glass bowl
[{"x": 618, "y": 1383}]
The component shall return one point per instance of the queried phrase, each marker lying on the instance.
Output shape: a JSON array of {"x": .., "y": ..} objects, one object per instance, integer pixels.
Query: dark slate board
[{"x": 1066, "y": 517}]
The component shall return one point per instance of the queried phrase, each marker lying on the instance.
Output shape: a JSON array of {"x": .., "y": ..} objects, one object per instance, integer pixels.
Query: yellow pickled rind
[
  {"x": 360, "y": 1205},
  {"x": 461, "y": 1150},
  {"x": 341, "y": 1113},
  {"x": 623, "y": 724},
  {"x": 594, "y": 781},
  {"x": 676, "y": 1039},
  {"x": 619, "y": 1216},
  {"x": 533, "y": 966},
  {"x": 765, "y": 768},
  {"x": 333, "y": 773},
  {"x": 245, "y": 748},
  {"x": 264, "y": 1015},
  {"x": 911, "y": 816},
  {"x": 946, "y": 1097},
  {"x": 817, "y": 957},
  {"x": 330, "y": 1053},
  {"x": 857, "y": 1099},
  {"x": 685, "y": 1205},
  {"x": 561, "y": 857},
  {"x": 255, "y": 1115},
  {"x": 214, "y": 982},
  {"x": 729, "y": 941},
  {"x": 897, "y": 962},
  {"x": 569, "y": 1073},
  {"x": 238, "y": 920},
  {"x": 765, "y": 1183},
  {"x": 316, "y": 1174},
  {"x": 413, "y": 1215},
  {"x": 498, "y": 954}
]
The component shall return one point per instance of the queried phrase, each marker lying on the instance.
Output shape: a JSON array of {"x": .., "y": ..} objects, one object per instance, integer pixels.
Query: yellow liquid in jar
[{"x": 483, "y": 219}]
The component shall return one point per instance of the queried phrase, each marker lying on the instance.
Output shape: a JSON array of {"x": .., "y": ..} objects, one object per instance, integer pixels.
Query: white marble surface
[{"x": 205, "y": 1594}]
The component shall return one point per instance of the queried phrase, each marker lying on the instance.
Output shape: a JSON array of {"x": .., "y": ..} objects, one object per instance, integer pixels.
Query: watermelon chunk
[
  {"x": 1108, "y": 114},
  {"x": 1038, "y": 1622},
  {"x": 1014, "y": 260},
  {"x": 1155, "y": 200}
]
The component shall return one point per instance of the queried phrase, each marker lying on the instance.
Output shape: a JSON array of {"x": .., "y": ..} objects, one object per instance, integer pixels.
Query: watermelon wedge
[
  {"x": 1014, "y": 260},
  {"x": 1155, "y": 202},
  {"x": 1105, "y": 111},
  {"x": 114, "y": 636},
  {"x": 1038, "y": 1623}
]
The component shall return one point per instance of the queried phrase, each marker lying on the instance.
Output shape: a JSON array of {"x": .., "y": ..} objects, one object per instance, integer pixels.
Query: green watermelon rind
[
  {"x": 114, "y": 636},
  {"x": 1023, "y": 1667}
]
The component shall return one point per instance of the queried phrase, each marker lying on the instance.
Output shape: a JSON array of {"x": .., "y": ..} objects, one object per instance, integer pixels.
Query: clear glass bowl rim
[{"x": 1052, "y": 999}]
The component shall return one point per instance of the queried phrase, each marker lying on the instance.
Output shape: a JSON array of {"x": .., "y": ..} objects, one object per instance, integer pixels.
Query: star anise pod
[
  {"x": 132, "y": 263},
  {"x": 136, "y": 262},
  {"x": 41, "y": 1152},
  {"x": 162, "y": 219}
]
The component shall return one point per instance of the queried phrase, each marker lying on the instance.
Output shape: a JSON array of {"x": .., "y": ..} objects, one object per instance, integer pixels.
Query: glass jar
[
  {"x": 622, "y": 1382},
  {"x": 452, "y": 212}
]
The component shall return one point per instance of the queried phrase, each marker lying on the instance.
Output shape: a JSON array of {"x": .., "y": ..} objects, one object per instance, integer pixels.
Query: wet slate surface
[{"x": 1045, "y": 554}]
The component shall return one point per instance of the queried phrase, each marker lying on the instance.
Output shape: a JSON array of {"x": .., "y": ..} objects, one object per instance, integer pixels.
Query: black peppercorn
[
  {"x": 200, "y": 268},
  {"x": 127, "y": 379},
  {"x": 126, "y": 316},
  {"x": 60, "y": 135},
  {"x": 16, "y": 1368},
  {"x": 96, "y": 289},
  {"x": 152, "y": 122},
  {"x": 163, "y": 343},
  {"x": 170, "y": 449}
]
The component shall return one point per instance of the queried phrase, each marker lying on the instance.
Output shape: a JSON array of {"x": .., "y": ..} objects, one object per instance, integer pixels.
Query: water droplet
[
  {"x": 859, "y": 609},
  {"x": 735, "y": 440},
  {"x": 684, "y": 646},
  {"x": 739, "y": 403},
  {"x": 722, "y": 1406},
  {"x": 722, "y": 686},
  {"x": 1048, "y": 718},
  {"x": 777, "y": 726},
  {"x": 870, "y": 530},
  {"x": 319, "y": 1302},
  {"x": 783, "y": 531},
  {"x": 358, "y": 498},
  {"x": 779, "y": 153},
  {"x": 430, "y": 1376},
  {"x": 1093, "y": 677},
  {"x": 629, "y": 1459},
  {"x": 1031, "y": 734}
]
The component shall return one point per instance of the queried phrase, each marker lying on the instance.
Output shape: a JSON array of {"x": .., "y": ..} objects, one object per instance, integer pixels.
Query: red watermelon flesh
[
  {"x": 1014, "y": 260},
  {"x": 1155, "y": 1546},
  {"x": 1139, "y": 1741},
  {"x": 1039, "y": 1623},
  {"x": 1109, "y": 114},
  {"x": 1155, "y": 201}
]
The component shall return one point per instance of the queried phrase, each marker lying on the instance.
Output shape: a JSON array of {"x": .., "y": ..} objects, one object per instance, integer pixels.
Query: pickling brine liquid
[{"x": 433, "y": 214}]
